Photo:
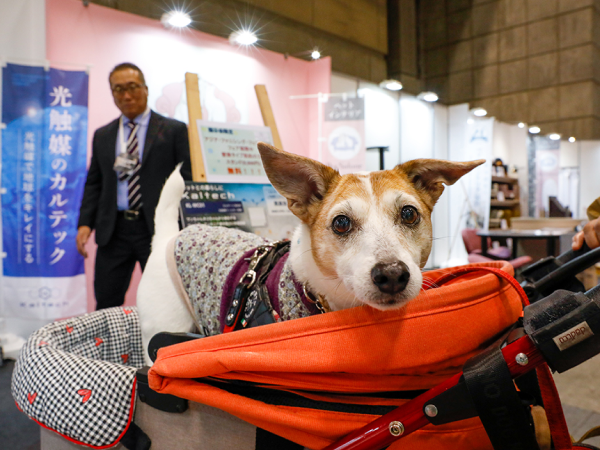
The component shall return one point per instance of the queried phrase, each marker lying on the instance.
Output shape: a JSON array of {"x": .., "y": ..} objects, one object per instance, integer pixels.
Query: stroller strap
[{"x": 498, "y": 404}]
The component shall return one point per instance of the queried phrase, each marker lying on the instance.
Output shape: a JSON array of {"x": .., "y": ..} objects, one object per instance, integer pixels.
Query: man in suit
[{"x": 131, "y": 158}]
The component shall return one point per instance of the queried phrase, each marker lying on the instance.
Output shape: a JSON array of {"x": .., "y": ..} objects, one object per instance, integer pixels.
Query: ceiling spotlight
[
  {"x": 428, "y": 96},
  {"x": 554, "y": 136},
  {"x": 315, "y": 54},
  {"x": 392, "y": 85},
  {"x": 176, "y": 19},
  {"x": 521, "y": 125},
  {"x": 534, "y": 130},
  {"x": 243, "y": 37},
  {"x": 572, "y": 139},
  {"x": 479, "y": 112}
]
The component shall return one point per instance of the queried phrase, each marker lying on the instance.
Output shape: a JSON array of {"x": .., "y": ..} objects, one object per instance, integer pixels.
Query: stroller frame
[
  {"x": 520, "y": 356},
  {"x": 410, "y": 417}
]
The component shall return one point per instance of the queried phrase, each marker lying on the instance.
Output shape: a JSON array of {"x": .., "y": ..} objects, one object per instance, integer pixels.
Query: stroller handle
[
  {"x": 572, "y": 254},
  {"x": 553, "y": 273},
  {"x": 594, "y": 294},
  {"x": 545, "y": 323}
]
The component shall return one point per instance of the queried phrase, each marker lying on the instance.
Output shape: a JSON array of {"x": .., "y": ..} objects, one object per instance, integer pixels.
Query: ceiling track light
[
  {"x": 534, "y": 129},
  {"x": 554, "y": 136},
  {"x": 392, "y": 85},
  {"x": 176, "y": 19},
  {"x": 315, "y": 54},
  {"x": 572, "y": 139},
  {"x": 479, "y": 112},
  {"x": 428, "y": 96},
  {"x": 521, "y": 125},
  {"x": 243, "y": 37}
]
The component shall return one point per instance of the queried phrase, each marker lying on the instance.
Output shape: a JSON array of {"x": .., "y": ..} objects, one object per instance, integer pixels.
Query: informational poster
[
  {"x": 568, "y": 188},
  {"x": 547, "y": 176},
  {"x": 43, "y": 173},
  {"x": 344, "y": 134},
  {"x": 478, "y": 183},
  {"x": 230, "y": 153},
  {"x": 255, "y": 208}
]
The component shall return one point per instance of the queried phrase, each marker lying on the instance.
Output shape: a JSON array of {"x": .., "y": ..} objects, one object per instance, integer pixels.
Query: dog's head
[{"x": 368, "y": 234}]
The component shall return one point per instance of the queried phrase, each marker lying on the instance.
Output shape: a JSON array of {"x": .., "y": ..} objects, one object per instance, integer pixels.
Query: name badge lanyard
[
  {"x": 123, "y": 162},
  {"x": 122, "y": 143}
]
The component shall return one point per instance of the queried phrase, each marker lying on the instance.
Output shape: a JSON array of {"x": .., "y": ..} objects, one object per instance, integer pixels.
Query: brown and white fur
[{"x": 363, "y": 238}]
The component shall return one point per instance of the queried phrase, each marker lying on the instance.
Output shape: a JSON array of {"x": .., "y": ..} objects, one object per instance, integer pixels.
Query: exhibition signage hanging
[
  {"x": 44, "y": 155},
  {"x": 547, "y": 172},
  {"x": 478, "y": 183},
  {"x": 344, "y": 134}
]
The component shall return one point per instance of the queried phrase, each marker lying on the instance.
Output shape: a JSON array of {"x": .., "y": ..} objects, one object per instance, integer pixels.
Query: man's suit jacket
[{"x": 166, "y": 145}]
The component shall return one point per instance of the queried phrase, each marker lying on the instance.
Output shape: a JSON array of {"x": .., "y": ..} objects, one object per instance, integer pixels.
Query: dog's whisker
[
  {"x": 297, "y": 257},
  {"x": 338, "y": 285},
  {"x": 430, "y": 284}
]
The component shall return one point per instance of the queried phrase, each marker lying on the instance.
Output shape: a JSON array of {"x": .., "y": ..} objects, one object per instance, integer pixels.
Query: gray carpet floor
[
  {"x": 579, "y": 391},
  {"x": 17, "y": 431}
]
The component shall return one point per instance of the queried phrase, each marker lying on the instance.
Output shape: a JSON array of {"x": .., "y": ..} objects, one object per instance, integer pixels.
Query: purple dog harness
[{"x": 206, "y": 264}]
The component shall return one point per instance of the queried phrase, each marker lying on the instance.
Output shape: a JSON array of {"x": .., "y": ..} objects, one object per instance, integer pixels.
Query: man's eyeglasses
[{"x": 131, "y": 87}]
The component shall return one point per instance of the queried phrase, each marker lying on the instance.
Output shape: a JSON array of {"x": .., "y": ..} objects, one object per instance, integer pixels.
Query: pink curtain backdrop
[{"x": 100, "y": 38}]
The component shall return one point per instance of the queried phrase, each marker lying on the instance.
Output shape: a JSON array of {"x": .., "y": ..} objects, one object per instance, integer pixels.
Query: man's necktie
[{"x": 133, "y": 177}]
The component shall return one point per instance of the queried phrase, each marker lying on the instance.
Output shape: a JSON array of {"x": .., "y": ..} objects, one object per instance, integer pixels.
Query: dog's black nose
[{"x": 390, "y": 278}]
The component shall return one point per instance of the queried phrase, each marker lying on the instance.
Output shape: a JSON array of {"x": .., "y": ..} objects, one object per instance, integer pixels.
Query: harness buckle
[
  {"x": 250, "y": 274},
  {"x": 255, "y": 260}
]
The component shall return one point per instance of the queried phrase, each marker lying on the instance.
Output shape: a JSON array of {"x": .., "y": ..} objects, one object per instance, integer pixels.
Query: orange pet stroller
[{"x": 366, "y": 379}]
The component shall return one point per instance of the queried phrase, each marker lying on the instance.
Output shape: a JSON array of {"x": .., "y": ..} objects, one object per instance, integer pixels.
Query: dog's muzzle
[{"x": 390, "y": 278}]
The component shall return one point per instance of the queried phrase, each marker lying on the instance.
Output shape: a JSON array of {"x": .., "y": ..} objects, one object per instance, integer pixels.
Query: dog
[{"x": 363, "y": 240}]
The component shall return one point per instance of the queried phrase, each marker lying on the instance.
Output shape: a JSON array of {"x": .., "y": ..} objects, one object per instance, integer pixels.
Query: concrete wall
[{"x": 533, "y": 61}]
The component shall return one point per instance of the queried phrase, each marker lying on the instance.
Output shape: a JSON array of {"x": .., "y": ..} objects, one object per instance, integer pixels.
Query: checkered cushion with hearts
[{"x": 77, "y": 376}]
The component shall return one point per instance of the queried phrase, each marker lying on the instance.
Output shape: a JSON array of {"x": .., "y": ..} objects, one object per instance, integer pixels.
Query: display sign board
[
  {"x": 230, "y": 153},
  {"x": 255, "y": 208},
  {"x": 478, "y": 183},
  {"x": 546, "y": 161},
  {"x": 43, "y": 174},
  {"x": 344, "y": 132}
]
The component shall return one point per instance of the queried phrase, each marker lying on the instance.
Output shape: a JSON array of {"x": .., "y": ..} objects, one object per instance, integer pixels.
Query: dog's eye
[
  {"x": 409, "y": 215},
  {"x": 341, "y": 225}
]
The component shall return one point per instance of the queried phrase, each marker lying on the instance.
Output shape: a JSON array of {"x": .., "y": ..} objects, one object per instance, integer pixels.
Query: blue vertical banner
[{"x": 44, "y": 156}]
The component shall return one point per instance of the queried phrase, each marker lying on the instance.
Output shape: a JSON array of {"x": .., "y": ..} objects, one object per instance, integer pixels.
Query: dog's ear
[
  {"x": 302, "y": 181},
  {"x": 430, "y": 175}
]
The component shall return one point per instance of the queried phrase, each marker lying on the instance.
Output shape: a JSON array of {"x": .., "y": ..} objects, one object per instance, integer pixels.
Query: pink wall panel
[{"x": 101, "y": 37}]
